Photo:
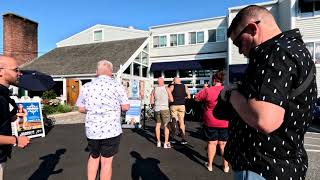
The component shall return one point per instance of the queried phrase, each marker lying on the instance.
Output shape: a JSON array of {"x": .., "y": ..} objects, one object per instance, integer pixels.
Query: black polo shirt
[
  {"x": 275, "y": 68},
  {"x": 5, "y": 120}
]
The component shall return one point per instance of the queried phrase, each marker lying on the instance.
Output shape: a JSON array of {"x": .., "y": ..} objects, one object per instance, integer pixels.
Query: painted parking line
[
  {"x": 313, "y": 150},
  {"x": 307, "y": 137},
  {"x": 312, "y": 145}
]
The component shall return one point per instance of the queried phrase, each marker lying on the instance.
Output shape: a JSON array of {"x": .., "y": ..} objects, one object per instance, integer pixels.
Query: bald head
[
  {"x": 249, "y": 14},
  {"x": 9, "y": 72},
  {"x": 6, "y": 61},
  {"x": 177, "y": 80},
  {"x": 104, "y": 67},
  {"x": 160, "y": 81}
]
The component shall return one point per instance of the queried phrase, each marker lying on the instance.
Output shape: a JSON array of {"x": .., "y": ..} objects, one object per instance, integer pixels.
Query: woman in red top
[{"x": 215, "y": 130}]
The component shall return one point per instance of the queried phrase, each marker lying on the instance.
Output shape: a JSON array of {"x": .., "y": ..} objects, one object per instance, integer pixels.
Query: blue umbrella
[{"x": 35, "y": 81}]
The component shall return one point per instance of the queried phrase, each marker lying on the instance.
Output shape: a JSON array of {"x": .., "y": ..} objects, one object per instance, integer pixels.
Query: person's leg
[
  {"x": 222, "y": 140},
  {"x": 158, "y": 125},
  {"x": 181, "y": 113},
  {"x": 212, "y": 146},
  {"x": 94, "y": 158},
  {"x": 93, "y": 165},
  {"x": 157, "y": 129},
  {"x": 165, "y": 117},
  {"x": 225, "y": 166},
  {"x": 1, "y": 170},
  {"x": 106, "y": 168}
]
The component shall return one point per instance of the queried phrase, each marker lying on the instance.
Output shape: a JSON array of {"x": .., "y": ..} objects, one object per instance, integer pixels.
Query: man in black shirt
[
  {"x": 179, "y": 92},
  {"x": 275, "y": 101},
  {"x": 9, "y": 73}
]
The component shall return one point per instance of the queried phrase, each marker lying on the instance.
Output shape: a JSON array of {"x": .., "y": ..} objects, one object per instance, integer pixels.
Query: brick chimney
[{"x": 20, "y": 38}]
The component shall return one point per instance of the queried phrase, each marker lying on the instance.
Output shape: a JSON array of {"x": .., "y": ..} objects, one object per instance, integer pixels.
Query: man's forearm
[{"x": 7, "y": 139}]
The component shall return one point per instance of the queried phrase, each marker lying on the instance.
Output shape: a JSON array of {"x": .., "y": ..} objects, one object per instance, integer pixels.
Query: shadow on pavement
[
  {"x": 47, "y": 166},
  {"x": 187, "y": 150},
  {"x": 146, "y": 168}
]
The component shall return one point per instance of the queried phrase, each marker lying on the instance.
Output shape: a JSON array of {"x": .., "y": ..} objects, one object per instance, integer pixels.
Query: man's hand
[
  {"x": 226, "y": 92},
  {"x": 23, "y": 141}
]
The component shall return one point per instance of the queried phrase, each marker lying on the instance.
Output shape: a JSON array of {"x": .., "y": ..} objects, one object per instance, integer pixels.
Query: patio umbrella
[{"x": 35, "y": 81}]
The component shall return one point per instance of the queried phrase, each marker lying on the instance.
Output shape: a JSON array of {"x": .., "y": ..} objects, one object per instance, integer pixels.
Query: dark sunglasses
[
  {"x": 15, "y": 69},
  {"x": 236, "y": 41}
]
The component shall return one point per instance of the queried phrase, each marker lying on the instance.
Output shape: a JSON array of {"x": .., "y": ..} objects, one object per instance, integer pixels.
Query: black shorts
[
  {"x": 104, "y": 147},
  {"x": 214, "y": 134}
]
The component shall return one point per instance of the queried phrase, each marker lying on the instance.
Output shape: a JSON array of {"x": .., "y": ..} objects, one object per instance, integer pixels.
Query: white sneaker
[
  {"x": 159, "y": 144},
  {"x": 167, "y": 146}
]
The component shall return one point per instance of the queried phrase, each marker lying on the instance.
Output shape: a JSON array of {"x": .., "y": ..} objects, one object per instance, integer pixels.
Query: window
[
  {"x": 156, "y": 41},
  {"x": 185, "y": 73},
  {"x": 159, "y": 41},
  {"x": 217, "y": 35},
  {"x": 181, "y": 39},
  {"x": 97, "y": 35},
  {"x": 127, "y": 71},
  {"x": 136, "y": 69},
  {"x": 176, "y": 39},
  {"x": 170, "y": 74},
  {"x": 314, "y": 48},
  {"x": 144, "y": 58},
  {"x": 212, "y": 35},
  {"x": 309, "y": 7},
  {"x": 196, "y": 37},
  {"x": 144, "y": 71},
  {"x": 173, "y": 40},
  {"x": 202, "y": 73},
  {"x": 200, "y": 37},
  {"x": 156, "y": 74},
  {"x": 192, "y": 38},
  {"x": 221, "y": 34}
]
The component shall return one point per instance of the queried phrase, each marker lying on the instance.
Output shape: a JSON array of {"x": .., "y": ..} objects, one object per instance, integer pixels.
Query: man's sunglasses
[
  {"x": 15, "y": 69},
  {"x": 236, "y": 41}
]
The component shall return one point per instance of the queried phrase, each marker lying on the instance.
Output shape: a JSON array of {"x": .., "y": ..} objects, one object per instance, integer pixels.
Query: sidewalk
[{"x": 68, "y": 118}]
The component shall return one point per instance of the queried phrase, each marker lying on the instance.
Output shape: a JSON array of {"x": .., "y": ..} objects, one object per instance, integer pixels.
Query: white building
[{"x": 192, "y": 50}]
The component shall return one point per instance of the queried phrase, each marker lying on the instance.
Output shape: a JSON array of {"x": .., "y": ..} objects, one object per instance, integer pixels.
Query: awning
[{"x": 187, "y": 65}]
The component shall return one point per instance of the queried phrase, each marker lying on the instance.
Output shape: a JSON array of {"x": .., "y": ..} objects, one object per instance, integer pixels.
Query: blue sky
[{"x": 60, "y": 19}]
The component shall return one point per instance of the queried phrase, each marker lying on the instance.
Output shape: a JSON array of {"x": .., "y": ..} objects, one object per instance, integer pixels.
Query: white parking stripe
[
  {"x": 312, "y": 138},
  {"x": 312, "y": 150},
  {"x": 312, "y": 145}
]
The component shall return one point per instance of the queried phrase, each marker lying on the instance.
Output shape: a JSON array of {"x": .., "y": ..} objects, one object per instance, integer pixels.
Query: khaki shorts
[
  {"x": 162, "y": 116},
  {"x": 178, "y": 111}
]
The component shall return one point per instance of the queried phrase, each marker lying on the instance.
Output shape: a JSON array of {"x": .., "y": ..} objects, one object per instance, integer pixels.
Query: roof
[{"x": 82, "y": 59}]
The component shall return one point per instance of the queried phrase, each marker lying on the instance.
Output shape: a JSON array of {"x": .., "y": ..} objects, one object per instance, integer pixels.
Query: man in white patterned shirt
[{"x": 102, "y": 100}]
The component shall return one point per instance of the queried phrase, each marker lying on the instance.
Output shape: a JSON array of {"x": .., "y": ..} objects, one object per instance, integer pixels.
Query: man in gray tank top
[{"x": 160, "y": 100}]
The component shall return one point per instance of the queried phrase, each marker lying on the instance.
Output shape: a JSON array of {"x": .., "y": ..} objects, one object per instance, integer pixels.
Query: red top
[{"x": 209, "y": 96}]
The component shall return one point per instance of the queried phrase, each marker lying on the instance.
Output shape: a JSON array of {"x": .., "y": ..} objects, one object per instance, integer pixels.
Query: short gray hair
[{"x": 104, "y": 63}]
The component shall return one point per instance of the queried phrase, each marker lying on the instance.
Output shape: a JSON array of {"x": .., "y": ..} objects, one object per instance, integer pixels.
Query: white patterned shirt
[{"x": 102, "y": 98}]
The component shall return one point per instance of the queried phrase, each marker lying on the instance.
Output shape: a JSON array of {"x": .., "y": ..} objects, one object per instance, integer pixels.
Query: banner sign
[
  {"x": 29, "y": 120},
  {"x": 133, "y": 114}
]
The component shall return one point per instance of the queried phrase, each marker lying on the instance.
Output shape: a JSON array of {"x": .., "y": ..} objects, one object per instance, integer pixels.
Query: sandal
[{"x": 206, "y": 164}]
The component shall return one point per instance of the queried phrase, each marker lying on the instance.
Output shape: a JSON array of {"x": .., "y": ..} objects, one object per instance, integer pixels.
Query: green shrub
[
  {"x": 49, "y": 94},
  {"x": 49, "y": 109}
]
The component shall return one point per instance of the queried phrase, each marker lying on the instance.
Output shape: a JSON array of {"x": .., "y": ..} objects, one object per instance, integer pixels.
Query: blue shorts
[
  {"x": 247, "y": 175},
  {"x": 215, "y": 134}
]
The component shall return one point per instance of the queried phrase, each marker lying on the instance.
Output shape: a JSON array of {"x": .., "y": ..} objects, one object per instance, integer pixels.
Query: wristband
[{"x": 16, "y": 140}]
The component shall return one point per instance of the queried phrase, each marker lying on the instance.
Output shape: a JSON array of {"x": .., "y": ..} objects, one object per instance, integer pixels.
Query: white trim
[
  {"x": 189, "y": 57},
  {"x": 186, "y": 22}
]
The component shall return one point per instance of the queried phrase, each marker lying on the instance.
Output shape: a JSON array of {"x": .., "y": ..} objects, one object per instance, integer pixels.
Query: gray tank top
[{"x": 161, "y": 98}]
